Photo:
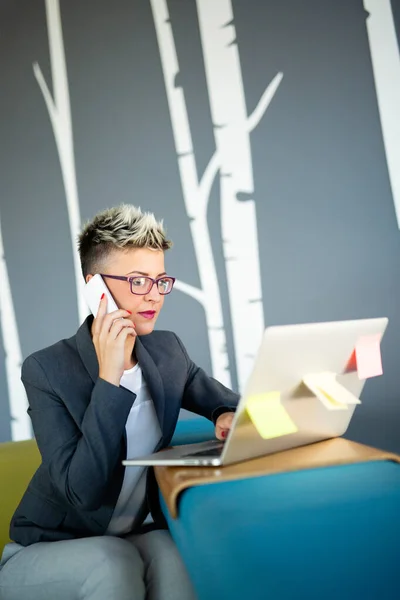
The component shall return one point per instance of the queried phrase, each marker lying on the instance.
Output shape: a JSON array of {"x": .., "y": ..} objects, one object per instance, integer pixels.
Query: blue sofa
[{"x": 321, "y": 534}]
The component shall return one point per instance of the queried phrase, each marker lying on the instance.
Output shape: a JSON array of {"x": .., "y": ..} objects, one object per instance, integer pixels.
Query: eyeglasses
[{"x": 143, "y": 285}]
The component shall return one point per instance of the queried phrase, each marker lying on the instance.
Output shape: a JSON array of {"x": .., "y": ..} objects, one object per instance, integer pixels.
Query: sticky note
[
  {"x": 329, "y": 391},
  {"x": 352, "y": 363},
  {"x": 368, "y": 356},
  {"x": 269, "y": 416}
]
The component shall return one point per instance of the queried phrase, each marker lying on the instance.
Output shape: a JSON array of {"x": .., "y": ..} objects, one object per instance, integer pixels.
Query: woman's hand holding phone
[{"x": 109, "y": 333}]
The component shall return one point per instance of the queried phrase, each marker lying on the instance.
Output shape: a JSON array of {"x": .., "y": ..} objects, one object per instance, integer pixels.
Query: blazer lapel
[
  {"x": 153, "y": 379},
  {"x": 86, "y": 348}
]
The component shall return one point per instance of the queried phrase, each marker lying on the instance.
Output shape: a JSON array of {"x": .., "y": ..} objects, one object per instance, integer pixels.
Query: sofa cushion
[{"x": 18, "y": 463}]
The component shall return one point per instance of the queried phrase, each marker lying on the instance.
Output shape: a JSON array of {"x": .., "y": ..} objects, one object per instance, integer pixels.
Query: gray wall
[{"x": 328, "y": 238}]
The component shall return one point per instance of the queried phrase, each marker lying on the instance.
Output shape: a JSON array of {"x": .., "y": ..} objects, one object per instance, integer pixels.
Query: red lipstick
[{"x": 148, "y": 314}]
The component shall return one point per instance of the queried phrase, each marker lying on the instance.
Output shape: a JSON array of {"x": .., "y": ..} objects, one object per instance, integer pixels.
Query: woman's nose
[{"x": 153, "y": 294}]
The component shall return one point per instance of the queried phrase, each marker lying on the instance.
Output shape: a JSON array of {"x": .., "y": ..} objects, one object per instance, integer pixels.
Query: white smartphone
[{"x": 93, "y": 292}]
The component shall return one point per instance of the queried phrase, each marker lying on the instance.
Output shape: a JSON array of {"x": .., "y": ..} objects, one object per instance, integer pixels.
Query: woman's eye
[{"x": 138, "y": 282}]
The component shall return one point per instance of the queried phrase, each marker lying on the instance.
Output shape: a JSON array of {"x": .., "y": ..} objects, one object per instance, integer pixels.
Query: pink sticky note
[{"x": 368, "y": 355}]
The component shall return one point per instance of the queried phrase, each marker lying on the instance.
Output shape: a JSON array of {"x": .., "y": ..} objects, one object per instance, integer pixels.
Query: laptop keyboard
[{"x": 214, "y": 451}]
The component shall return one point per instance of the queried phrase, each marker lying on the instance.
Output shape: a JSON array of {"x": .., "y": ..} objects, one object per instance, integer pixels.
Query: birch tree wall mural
[
  {"x": 232, "y": 127},
  {"x": 196, "y": 196},
  {"x": 60, "y": 118},
  {"x": 237, "y": 122},
  {"x": 232, "y": 160},
  {"x": 386, "y": 68},
  {"x": 20, "y": 422}
]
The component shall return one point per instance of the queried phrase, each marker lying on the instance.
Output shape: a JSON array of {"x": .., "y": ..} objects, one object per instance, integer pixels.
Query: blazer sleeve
[
  {"x": 204, "y": 395},
  {"x": 80, "y": 460}
]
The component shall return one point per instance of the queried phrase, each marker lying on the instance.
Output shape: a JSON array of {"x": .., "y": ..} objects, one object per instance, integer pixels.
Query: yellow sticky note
[
  {"x": 269, "y": 416},
  {"x": 331, "y": 399},
  {"x": 330, "y": 392}
]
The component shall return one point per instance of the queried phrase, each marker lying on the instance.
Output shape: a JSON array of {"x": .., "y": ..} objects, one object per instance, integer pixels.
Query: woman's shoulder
[
  {"x": 62, "y": 353},
  {"x": 50, "y": 356}
]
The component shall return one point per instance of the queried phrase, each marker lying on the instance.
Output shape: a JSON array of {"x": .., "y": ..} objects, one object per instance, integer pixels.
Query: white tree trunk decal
[
  {"x": 238, "y": 210},
  {"x": 60, "y": 118},
  {"x": 196, "y": 195},
  {"x": 386, "y": 68},
  {"x": 232, "y": 158},
  {"x": 20, "y": 422}
]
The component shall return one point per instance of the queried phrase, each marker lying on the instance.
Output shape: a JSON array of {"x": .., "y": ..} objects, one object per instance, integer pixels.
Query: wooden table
[{"x": 338, "y": 451}]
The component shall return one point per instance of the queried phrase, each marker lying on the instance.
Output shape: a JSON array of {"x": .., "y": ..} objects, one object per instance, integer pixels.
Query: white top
[{"x": 143, "y": 434}]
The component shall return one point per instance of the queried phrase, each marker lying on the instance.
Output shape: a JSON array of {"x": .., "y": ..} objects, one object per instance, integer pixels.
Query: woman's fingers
[
  {"x": 223, "y": 425},
  {"x": 102, "y": 311},
  {"x": 125, "y": 331},
  {"x": 114, "y": 316},
  {"x": 110, "y": 331},
  {"x": 109, "y": 319},
  {"x": 221, "y": 433},
  {"x": 118, "y": 325}
]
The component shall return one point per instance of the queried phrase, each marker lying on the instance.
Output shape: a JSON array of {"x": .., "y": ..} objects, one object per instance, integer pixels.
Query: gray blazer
[{"x": 79, "y": 424}]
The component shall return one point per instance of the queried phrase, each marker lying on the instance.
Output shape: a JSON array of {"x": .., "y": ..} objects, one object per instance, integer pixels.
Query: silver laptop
[{"x": 287, "y": 353}]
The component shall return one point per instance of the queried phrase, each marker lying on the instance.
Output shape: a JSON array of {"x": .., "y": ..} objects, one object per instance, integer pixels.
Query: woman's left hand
[{"x": 223, "y": 425}]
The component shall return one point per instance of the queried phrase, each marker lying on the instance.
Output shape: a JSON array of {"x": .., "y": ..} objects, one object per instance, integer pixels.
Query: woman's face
[{"x": 136, "y": 261}]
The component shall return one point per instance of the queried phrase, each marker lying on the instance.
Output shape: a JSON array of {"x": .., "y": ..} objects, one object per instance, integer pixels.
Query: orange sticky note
[
  {"x": 368, "y": 355},
  {"x": 352, "y": 363}
]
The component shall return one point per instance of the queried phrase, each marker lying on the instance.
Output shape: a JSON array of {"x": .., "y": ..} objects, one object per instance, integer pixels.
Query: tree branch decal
[
  {"x": 60, "y": 118},
  {"x": 232, "y": 160},
  {"x": 195, "y": 194},
  {"x": 232, "y": 127},
  {"x": 20, "y": 422},
  {"x": 386, "y": 68}
]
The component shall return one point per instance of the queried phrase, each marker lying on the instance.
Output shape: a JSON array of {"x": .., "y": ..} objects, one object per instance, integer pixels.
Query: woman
[{"x": 112, "y": 390}]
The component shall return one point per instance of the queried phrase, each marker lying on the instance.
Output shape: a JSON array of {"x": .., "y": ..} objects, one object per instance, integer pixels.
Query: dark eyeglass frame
[{"x": 131, "y": 279}]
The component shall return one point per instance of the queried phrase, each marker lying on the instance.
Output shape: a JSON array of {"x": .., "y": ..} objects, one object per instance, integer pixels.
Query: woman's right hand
[{"x": 109, "y": 333}]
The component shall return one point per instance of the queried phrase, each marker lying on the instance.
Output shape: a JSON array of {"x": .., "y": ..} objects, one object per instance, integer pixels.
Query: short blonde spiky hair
[{"x": 119, "y": 227}]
